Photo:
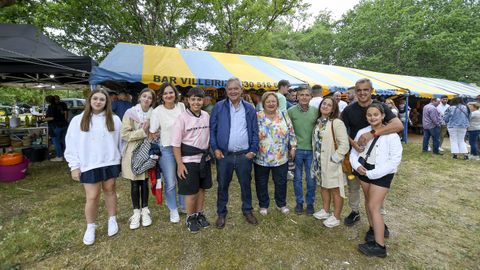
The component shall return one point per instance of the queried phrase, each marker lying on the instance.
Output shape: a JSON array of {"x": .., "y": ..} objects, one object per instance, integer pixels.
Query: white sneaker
[
  {"x": 263, "y": 211},
  {"x": 440, "y": 149},
  {"x": 472, "y": 157},
  {"x": 331, "y": 222},
  {"x": 89, "y": 236},
  {"x": 174, "y": 217},
  {"x": 57, "y": 159},
  {"x": 322, "y": 214},
  {"x": 146, "y": 219},
  {"x": 290, "y": 175},
  {"x": 284, "y": 210},
  {"x": 112, "y": 226},
  {"x": 135, "y": 219}
]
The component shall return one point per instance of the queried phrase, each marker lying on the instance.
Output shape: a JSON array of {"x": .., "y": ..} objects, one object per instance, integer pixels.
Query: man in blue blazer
[{"x": 234, "y": 140}]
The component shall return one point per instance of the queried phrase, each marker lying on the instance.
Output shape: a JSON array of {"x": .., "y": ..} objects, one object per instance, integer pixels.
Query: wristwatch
[{"x": 374, "y": 133}]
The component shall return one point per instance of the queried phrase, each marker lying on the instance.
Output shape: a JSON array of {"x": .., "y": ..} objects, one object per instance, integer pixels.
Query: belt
[{"x": 242, "y": 152}]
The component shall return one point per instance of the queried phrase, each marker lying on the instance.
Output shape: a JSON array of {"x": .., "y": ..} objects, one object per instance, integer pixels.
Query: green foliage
[
  {"x": 238, "y": 25},
  {"x": 433, "y": 38},
  {"x": 10, "y": 95}
]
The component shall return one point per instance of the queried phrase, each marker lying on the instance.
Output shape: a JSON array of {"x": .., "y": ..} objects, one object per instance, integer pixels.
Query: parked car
[
  {"x": 24, "y": 108},
  {"x": 5, "y": 110},
  {"x": 74, "y": 102}
]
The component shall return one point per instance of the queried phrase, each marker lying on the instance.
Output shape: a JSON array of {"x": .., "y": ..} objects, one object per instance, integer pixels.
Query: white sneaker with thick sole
[
  {"x": 322, "y": 214},
  {"x": 284, "y": 210},
  {"x": 331, "y": 222},
  {"x": 135, "y": 219},
  {"x": 146, "y": 219},
  {"x": 89, "y": 236},
  {"x": 174, "y": 217},
  {"x": 112, "y": 226},
  {"x": 263, "y": 211}
]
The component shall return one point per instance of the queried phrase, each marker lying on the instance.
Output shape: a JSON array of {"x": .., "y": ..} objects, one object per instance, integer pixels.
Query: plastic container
[
  {"x": 11, "y": 159},
  {"x": 36, "y": 153},
  {"x": 13, "y": 173}
]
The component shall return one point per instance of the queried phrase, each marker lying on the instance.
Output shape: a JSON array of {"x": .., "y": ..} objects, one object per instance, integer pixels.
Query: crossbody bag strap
[
  {"x": 371, "y": 147},
  {"x": 333, "y": 134}
]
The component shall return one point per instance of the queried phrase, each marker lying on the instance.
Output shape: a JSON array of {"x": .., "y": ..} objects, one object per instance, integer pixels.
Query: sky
[{"x": 337, "y": 7}]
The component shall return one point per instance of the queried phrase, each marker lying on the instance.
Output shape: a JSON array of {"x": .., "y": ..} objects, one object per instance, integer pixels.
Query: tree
[
  {"x": 432, "y": 38},
  {"x": 238, "y": 25},
  {"x": 92, "y": 27}
]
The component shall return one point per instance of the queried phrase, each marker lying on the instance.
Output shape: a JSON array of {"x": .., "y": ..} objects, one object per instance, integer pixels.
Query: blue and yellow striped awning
[
  {"x": 156, "y": 64},
  {"x": 331, "y": 78}
]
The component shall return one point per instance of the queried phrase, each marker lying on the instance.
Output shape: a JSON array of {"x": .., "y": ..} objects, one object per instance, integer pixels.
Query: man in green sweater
[{"x": 303, "y": 118}]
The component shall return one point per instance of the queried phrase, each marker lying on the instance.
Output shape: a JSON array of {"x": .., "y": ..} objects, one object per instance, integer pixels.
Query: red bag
[{"x": 156, "y": 185}]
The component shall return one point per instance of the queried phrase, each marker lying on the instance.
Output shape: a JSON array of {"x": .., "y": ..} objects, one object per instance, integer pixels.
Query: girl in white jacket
[
  {"x": 93, "y": 155},
  {"x": 376, "y": 170}
]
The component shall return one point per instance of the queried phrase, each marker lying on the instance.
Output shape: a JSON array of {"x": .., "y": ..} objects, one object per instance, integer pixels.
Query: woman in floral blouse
[{"x": 276, "y": 142}]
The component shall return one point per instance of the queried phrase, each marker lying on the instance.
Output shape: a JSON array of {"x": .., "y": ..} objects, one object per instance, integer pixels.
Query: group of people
[
  {"x": 316, "y": 139},
  {"x": 459, "y": 119}
]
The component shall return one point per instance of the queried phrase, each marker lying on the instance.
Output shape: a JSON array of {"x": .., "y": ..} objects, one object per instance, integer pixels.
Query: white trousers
[{"x": 457, "y": 140}]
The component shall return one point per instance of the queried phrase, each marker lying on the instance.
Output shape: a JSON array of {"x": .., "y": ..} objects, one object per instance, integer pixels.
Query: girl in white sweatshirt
[
  {"x": 93, "y": 155},
  {"x": 375, "y": 167}
]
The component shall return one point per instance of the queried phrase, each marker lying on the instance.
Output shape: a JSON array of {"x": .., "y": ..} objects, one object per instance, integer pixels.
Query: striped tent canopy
[
  {"x": 331, "y": 78},
  {"x": 417, "y": 87},
  {"x": 156, "y": 64}
]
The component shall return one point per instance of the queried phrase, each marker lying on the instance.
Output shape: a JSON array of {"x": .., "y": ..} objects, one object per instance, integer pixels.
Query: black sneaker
[
  {"x": 370, "y": 236},
  {"x": 372, "y": 249},
  {"x": 299, "y": 209},
  {"x": 202, "y": 220},
  {"x": 352, "y": 218},
  {"x": 192, "y": 224},
  {"x": 310, "y": 210},
  {"x": 455, "y": 157}
]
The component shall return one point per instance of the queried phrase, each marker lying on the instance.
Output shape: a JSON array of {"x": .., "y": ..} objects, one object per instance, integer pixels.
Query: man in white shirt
[
  {"x": 316, "y": 96},
  {"x": 442, "y": 108},
  {"x": 338, "y": 97}
]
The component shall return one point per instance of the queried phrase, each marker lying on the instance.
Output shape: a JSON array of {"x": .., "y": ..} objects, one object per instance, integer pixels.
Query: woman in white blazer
[{"x": 375, "y": 167}]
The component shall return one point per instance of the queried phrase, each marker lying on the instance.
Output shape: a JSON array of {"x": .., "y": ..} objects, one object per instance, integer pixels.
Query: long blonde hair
[{"x": 87, "y": 113}]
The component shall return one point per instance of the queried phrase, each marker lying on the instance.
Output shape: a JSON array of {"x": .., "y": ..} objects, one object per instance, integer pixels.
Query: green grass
[{"x": 433, "y": 211}]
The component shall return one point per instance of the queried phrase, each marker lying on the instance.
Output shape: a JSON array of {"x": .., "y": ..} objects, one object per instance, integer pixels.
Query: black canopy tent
[{"x": 28, "y": 56}]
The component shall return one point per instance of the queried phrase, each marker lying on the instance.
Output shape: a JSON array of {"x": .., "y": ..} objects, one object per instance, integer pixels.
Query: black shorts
[
  {"x": 382, "y": 182},
  {"x": 193, "y": 182}
]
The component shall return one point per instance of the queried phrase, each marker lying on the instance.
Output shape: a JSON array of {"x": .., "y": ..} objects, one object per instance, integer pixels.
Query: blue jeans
[
  {"x": 303, "y": 158},
  {"x": 279, "y": 175},
  {"x": 243, "y": 169},
  {"x": 435, "y": 134},
  {"x": 169, "y": 169},
  {"x": 472, "y": 139},
  {"x": 59, "y": 140}
]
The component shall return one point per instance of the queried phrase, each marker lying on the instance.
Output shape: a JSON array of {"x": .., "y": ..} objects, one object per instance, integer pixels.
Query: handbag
[
  {"x": 363, "y": 161},
  {"x": 346, "y": 166},
  {"x": 141, "y": 160}
]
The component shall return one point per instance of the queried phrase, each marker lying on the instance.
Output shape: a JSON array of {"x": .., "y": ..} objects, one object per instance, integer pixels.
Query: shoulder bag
[{"x": 346, "y": 166}]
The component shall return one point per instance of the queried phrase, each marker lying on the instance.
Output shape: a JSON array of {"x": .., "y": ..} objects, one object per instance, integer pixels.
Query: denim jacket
[
  {"x": 220, "y": 126},
  {"x": 457, "y": 116}
]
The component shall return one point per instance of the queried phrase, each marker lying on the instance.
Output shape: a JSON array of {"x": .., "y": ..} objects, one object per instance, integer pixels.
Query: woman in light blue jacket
[{"x": 457, "y": 118}]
